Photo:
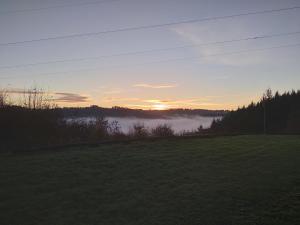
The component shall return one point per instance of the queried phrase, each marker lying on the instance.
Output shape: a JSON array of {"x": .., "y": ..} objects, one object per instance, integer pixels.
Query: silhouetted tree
[
  {"x": 37, "y": 98},
  {"x": 3, "y": 98},
  {"x": 272, "y": 114}
]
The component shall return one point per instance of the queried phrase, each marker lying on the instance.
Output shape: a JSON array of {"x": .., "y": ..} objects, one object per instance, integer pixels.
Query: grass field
[{"x": 220, "y": 181}]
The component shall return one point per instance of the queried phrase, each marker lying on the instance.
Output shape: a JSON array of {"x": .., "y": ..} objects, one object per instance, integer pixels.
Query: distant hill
[
  {"x": 95, "y": 111},
  {"x": 273, "y": 114}
]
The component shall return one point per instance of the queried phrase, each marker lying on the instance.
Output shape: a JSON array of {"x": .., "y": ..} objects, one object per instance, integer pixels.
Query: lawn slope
[{"x": 226, "y": 180}]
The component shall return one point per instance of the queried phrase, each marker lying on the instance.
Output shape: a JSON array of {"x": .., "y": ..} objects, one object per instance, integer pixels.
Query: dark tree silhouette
[{"x": 273, "y": 114}]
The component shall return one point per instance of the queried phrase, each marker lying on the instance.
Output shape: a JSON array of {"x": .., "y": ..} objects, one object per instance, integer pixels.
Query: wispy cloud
[
  {"x": 156, "y": 101},
  {"x": 198, "y": 35},
  {"x": 65, "y": 97},
  {"x": 155, "y": 86},
  {"x": 109, "y": 99},
  {"x": 138, "y": 106},
  {"x": 59, "y": 97}
]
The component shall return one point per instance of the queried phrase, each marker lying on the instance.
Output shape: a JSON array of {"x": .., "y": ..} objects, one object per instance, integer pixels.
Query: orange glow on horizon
[
  {"x": 160, "y": 107},
  {"x": 158, "y": 104}
]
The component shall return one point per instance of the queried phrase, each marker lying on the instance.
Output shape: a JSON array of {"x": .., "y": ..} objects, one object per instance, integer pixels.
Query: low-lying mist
[{"x": 178, "y": 124}]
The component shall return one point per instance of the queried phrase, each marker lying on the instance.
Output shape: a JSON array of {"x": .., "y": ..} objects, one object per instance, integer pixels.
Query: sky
[{"x": 175, "y": 66}]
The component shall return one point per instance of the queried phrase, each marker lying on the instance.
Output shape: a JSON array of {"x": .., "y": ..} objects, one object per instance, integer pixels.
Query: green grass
[{"x": 220, "y": 181}]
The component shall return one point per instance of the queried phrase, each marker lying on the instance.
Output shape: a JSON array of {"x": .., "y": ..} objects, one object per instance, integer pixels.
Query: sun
[{"x": 160, "y": 107}]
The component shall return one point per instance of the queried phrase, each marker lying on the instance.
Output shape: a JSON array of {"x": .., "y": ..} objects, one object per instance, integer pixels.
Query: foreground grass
[{"x": 220, "y": 181}]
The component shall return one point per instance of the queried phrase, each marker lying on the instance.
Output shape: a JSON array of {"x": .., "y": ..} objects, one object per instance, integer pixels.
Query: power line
[
  {"x": 148, "y": 26},
  {"x": 171, "y": 60},
  {"x": 56, "y": 7},
  {"x": 149, "y": 51}
]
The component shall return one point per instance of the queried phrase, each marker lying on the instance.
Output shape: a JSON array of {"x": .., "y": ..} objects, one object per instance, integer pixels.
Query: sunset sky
[{"x": 150, "y": 68}]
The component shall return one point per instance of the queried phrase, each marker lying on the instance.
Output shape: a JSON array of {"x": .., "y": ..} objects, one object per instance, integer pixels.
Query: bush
[
  {"x": 139, "y": 131},
  {"x": 101, "y": 127},
  {"x": 115, "y": 131},
  {"x": 164, "y": 130},
  {"x": 27, "y": 127}
]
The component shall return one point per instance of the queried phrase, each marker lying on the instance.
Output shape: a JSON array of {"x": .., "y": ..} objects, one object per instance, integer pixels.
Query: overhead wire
[
  {"x": 256, "y": 37},
  {"x": 169, "y": 60},
  {"x": 135, "y": 28}
]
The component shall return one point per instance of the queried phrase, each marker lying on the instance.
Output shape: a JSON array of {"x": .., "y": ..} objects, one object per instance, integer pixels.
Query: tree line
[
  {"x": 94, "y": 111},
  {"x": 36, "y": 121},
  {"x": 272, "y": 114}
]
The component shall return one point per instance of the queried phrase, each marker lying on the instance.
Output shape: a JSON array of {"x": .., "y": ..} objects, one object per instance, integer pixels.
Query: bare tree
[
  {"x": 3, "y": 98},
  {"x": 37, "y": 98},
  {"x": 114, "y": 128}
]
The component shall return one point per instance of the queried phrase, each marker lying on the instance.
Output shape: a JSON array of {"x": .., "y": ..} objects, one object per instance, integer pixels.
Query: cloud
[
  {"x": 154, "y": 86},
  {"x": 118, "y": 99},
  {"x": 138, "y": 106},
  {"x": 197, "y": 35},
  {"x": 156, "y": 101},
  {"x": 60, "y": 97},
  {"x": 71, "y": 97}
]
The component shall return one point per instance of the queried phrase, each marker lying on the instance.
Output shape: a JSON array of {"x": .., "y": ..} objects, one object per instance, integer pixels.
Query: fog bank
[{"x": 178, "y": 124}]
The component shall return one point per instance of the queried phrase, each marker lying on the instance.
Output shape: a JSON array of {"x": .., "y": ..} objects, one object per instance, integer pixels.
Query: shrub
[
  {"x": 115, "y": 130},
  {"x": 98, "y": 129},
  {"x": 164, "y": 130},
  {"x": 139, "y": 131}
]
